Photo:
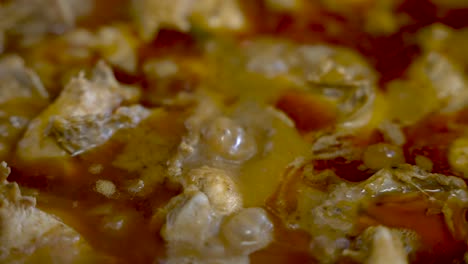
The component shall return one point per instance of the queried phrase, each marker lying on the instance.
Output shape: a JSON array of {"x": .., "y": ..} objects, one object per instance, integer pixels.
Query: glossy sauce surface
[{"x": 137, "y": 238}]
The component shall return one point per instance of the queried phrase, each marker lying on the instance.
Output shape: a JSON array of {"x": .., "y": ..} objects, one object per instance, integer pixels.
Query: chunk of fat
[
  {"x": 436, "y": 80},
  {"x": 27, "y": 234},
  {"x": 153, "y": 15},
  {"x": 81, "y": 100}
]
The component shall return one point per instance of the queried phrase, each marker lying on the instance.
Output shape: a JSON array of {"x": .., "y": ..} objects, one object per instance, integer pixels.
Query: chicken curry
[{"x": 233, "y": 131}]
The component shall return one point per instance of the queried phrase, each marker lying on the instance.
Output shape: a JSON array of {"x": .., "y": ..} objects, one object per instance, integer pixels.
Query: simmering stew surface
[{"x": 233, "y": 131}]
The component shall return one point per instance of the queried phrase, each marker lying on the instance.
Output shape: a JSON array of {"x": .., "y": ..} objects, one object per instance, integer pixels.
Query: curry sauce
[{"x": 293, "y": 131}]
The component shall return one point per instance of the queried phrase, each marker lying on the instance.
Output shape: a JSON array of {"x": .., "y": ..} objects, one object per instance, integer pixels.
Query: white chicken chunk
[
  {"x": 152, "y": 15},
  {"x": 32, "y": 19},
  {"x": 193, "y": 234},
  {"x": 118, "y": 46},
  {"x": 206, "y": 224},
  {"x": 337, "y": 74},
  {"x": 77, "y": 134},
  {"x": 386, "y": 249},
  {"x": 22, "y": 95},
  {"x": 218, "y": 187},
  {"x": 85, "y": 108},
  {"x": 190, "y": 219},
  {"x": 381, "y": 245},
  {"x": 19, "y": 82},
  {"x": 29, "y": 235},
  {"x": 436, "y": 80}
]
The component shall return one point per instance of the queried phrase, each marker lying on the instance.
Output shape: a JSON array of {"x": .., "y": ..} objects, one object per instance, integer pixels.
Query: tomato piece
[{"x": 309, "y": 112}]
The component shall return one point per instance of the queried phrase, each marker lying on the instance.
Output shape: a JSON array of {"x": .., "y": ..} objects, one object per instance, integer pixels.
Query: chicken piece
[
  {"x": 29, "y": 235},
  {"x": 252, "y": 143},
  {"x": 386, "y": 248},
  {"x": 189, "y": 154},
  {"x": 191, "y": 230},
  {"x": 218, "y": 187},
  {"x": 445, "y": 77},
  {"x": 380, "y": 245},
  {"x": 444, "y": 40},
  {"x": 437, "y": 83},
  {"x": 336, "y": 211},
  {"x": 81, "y": 102},
  {"x": 152, "y": 15},
  {"x": 458, "y": 155},
  {"x": 333, "y": 75},
  {"x": 77, "y": 134},
  {"x": 194, "y": 235},
  {"x": 190, "y": 219},
  {"x": 22, "y": 95},
  {"x": 118, "y": 46},
  {"x": 18, "y": 82},
  {"x": 30, "y": 20},
  {"x": 436, "y": 80}
]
